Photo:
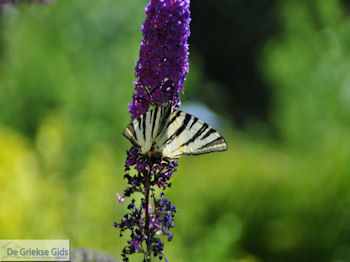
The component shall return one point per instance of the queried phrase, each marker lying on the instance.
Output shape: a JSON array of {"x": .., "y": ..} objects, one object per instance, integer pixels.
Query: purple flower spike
[
  {"x": 163, "y": 63},
  {"x": 160, "y": 72}
]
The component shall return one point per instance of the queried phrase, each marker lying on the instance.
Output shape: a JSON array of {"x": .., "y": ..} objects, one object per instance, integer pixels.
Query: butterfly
[{"x": 163, "y": 133}]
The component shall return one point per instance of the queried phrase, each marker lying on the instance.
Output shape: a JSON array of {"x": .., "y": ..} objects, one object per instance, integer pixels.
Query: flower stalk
[{"x": 147, "y": 223}]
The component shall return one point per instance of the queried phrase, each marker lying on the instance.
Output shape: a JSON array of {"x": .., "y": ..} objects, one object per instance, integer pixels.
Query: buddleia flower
[
  {"x": 160, "y": 72},
  {"x": 163, "y": 64}
]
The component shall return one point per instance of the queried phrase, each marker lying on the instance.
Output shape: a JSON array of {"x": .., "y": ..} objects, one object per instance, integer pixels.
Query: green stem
[{"x": 148, "y": 233}]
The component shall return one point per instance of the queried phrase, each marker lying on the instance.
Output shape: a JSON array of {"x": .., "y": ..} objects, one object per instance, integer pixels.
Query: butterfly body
[{"x": 166, "y": 134}]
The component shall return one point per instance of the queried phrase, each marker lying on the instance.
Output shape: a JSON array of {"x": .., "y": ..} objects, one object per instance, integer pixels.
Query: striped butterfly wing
[
  {"x": 142, "y": 131},
  {"x": 185, "y": 134}
]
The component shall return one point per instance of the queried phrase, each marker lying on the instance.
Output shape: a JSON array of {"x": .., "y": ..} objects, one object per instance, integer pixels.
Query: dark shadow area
[{"x": 229, "y": 36}]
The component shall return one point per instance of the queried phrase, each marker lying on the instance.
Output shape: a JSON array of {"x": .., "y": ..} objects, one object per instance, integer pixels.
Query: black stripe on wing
[
  {"x": 130, "y": 134},
  {"x": 216, "y": 145},
  {"x": 210, "y": 131},
  {"x": 154, "y": 113},
  {"x": 164, "y": 115},
  {"x": 194, "y": 121},
  {"x": 139, "y": 122},
  {"x": 196, "y": 135},
  {"x": 181, "y": 128},
  {"x": 178, "y": 113}
]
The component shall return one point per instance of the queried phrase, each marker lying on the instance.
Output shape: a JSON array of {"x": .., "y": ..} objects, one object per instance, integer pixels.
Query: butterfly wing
[
  {"x": 184, "y": 134},
  {"x": 143, "y": 130}
]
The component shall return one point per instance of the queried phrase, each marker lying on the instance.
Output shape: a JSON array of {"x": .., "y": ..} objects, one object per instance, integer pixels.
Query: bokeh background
[{"x": 271, "y": 75}]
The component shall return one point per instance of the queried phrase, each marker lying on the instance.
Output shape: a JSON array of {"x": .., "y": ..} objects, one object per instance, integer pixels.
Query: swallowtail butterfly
[{"x": 162, "y": 133}]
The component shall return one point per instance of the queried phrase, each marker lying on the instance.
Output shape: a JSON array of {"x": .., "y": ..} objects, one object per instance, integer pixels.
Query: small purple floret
[
  {"x": 120, "y": 198},
  {"x": 135, "y": 243}
]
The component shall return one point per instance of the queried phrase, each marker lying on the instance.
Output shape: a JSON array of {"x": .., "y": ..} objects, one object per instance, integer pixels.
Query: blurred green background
[{"x": 277, "y": 72}]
